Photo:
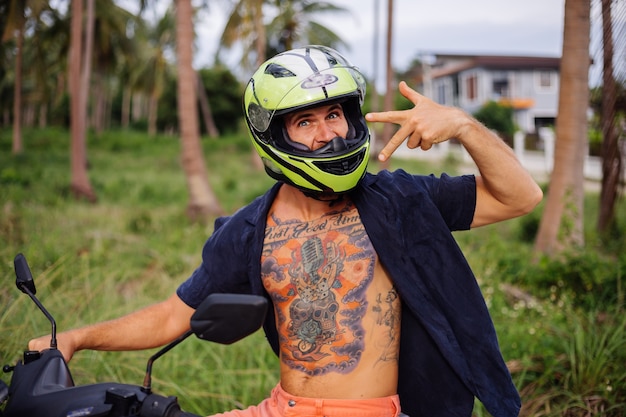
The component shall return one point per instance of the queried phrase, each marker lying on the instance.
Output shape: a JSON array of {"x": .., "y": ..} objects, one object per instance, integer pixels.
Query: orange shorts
[{"x": 282, "y": 404}]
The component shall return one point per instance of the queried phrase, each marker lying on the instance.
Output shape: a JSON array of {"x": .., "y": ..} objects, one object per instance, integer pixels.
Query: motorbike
[{"x": 41, "y": 384}]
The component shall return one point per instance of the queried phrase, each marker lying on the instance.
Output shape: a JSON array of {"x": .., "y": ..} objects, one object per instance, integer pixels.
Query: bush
[
  {"x": 585, "y": 376},
  {"x": 497, "y": 117},
  {"x": 588, "y": 279},
  {"x": 224, "y": 93}
]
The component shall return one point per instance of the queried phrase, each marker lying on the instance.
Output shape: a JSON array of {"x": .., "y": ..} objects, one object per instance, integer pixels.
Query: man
[{"x": 374, "y": 305}]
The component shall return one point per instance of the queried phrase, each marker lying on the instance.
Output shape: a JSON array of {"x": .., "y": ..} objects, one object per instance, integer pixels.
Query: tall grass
[{"x": 133, "y": 248}]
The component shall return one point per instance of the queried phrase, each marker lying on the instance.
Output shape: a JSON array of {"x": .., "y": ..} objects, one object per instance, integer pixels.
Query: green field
[{"x": 561, "y": 323}]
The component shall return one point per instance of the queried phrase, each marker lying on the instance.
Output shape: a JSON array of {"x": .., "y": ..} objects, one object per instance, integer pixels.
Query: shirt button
[{"x": 291, "y": 403}]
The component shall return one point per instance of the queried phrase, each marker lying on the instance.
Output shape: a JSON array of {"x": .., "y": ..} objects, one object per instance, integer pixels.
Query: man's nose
[{"x": 326, "y": 133}]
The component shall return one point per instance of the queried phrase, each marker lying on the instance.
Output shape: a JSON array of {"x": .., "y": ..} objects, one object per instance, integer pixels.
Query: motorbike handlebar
[
  {"x": 42, "y": 384},
  {"x": 159, "y": 406}
]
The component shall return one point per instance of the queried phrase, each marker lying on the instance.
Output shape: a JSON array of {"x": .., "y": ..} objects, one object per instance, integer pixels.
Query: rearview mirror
[
  {"x": 227, "y": 318},
  {"x": 23, "y": 276}
]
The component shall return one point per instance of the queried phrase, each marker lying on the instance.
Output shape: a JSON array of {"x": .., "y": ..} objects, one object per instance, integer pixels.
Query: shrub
[
  {"x": 497, "y": 117},
  {"x": 588, "y": 377}
]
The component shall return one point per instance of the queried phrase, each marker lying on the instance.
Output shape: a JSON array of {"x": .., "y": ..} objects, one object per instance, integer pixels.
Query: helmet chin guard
[{"x": 296, "y": 80}]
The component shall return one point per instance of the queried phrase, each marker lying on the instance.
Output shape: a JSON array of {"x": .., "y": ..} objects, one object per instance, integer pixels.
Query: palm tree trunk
[
  {"x": 388, "y": 100},
  {"x": 126, "y": 100},
  {"x": 153, "y": 106},
  {"x": 202, "y": 201},
  {"x": 43, "y": 115},
  {"x": 611, "y": 157},
  {"x": 561, "y": 225},
  {"x": 260, "y": 46},
  {"x": 205, "y": 106},
  {"x": 17, "y": 103},
  {"x": 374, "y": 93},
  {"x": 259, "y": 28},
  {"x": 100, "y": 103},
  {"x": 80, "y": 185}
]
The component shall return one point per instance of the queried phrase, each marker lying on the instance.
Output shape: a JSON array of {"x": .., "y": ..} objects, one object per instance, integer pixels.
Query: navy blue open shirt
[{"x": 449, "y": 351}]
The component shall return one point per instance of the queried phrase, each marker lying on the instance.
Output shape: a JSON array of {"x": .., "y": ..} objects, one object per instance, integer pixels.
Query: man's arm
[
  {"x": 504, "y": 188},
  {"x": 150, "y": 327}
]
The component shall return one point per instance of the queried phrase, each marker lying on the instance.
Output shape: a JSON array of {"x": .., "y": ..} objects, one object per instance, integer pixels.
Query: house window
[
  {"x": 441, "y": 94},
  {"x": 501, "y": 88},
  {"x": 545, "y": 79},
  {"x": 471, "y": 87}
]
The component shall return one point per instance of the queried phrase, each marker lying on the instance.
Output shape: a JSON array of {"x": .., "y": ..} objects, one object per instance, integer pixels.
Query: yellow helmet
[{"x": 298, "y": 79}]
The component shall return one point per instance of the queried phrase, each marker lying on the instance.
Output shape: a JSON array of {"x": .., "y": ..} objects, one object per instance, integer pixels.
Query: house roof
[{"x": 447, "y": 64}]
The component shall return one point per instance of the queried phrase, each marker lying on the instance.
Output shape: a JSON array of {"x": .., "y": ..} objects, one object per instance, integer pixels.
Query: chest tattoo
[{"x": 317, "y": 274}]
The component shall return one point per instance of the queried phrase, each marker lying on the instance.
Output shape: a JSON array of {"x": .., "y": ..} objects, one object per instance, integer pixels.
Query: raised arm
[
  {"x": 150, "y": 327},
  {"x": 504, "y": 188}
]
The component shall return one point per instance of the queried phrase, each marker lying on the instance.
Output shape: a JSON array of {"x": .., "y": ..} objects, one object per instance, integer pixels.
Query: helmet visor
[{"x": 277, "y": 96}]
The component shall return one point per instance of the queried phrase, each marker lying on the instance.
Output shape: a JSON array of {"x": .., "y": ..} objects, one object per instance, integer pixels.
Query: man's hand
[
  {"x": 504, "y": 189},
  {"x": 422, "y": 126},
  {"x": 64, "y": 344}
]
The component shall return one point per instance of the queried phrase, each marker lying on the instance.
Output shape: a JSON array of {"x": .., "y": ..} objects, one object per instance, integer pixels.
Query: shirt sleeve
[
  {"x": 456, "y": 199},
  {"x": 450, "y": 198},
  {"x": 218, "y": 272}
]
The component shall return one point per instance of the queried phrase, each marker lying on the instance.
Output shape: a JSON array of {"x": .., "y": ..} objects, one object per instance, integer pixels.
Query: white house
[{"x": 528, "y": 84}]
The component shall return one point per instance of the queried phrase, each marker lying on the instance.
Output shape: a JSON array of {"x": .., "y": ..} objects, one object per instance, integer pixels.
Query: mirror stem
[
  {"x": 53, "y": 341},
  {"x": 147, "y": 380}
]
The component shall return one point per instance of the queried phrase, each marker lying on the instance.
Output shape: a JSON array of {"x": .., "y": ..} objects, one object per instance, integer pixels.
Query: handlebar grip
[{"x": 159, "y": 406}]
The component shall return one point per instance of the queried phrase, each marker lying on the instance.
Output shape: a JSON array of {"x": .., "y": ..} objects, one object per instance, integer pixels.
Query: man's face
[{"x": 317, "y": 126}]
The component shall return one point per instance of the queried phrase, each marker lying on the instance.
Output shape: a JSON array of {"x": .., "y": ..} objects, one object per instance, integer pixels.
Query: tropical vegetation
[
  {"x": 560, "y": 321},
  {"x": 116, "y": 155}
]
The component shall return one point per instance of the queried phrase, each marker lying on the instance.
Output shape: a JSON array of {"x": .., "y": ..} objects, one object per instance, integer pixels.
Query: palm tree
[
  {"x": 245, "y": 27},
  {"x": 561, "y": 225},
  {"x": 112, "y": 49},
  {"x": 15, "y": 28},
  {"x": 79, "y": 82},
  {"x": 49, "y": 40},
  {"x": 612, "y": 163},
  {"x": 205, "y": 107},
  {"x": 294, "y": 25},
  {"x": 388, "y": 99},
  {"x": 202, "y": 201},
  {"x": 151, "y": 69},
  {"x": 17, "y": 95}
]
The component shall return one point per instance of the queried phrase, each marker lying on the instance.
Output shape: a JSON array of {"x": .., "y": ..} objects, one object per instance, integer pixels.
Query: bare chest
[{"x": 330, "y": 294}]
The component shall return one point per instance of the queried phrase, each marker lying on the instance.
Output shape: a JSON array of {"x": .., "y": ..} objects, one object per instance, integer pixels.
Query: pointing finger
[
  {"x": 410, "y": 94},
  {"x": 393, "y": 144},
  {"x": 384, "y": 117}
]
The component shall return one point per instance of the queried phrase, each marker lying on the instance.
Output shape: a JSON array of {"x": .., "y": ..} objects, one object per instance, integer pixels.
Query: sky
[{"x": 497, "y": 27}]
